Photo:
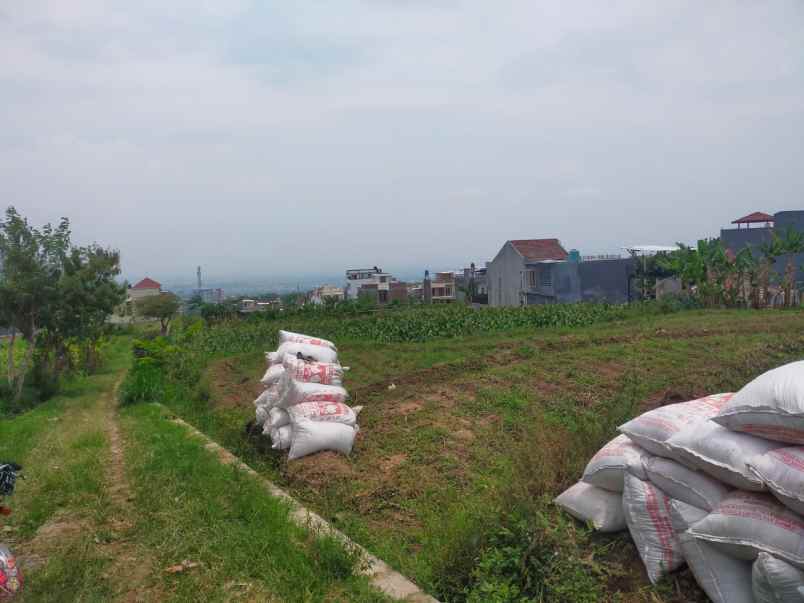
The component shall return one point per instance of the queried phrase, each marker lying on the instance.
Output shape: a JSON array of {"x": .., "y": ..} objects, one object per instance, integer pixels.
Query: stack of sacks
[
  {"x": 303, "y": 407},
  {"x": 714, "y": 483}
]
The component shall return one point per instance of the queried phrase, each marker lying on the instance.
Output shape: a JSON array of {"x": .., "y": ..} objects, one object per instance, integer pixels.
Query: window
[
  {"x": 532, "y": 279},
  {"x": 447, "y": 291},
  {"x": 383, "y": 296},
  {"x": 546, "y": 275}
]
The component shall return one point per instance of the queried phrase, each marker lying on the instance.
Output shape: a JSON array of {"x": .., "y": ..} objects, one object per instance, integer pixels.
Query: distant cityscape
[{"x": 522, "y": 272}]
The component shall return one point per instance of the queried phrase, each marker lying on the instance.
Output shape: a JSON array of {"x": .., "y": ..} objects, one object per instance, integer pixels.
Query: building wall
[
  {"x": 783, "y": 221},
  {"x": 136, "y": 294},
  {"x": 606, "y": 280},
  {"x": 565, "y": 284},
  {"x": 504, "y": 277},
  {"x": 737, "y": 238}
]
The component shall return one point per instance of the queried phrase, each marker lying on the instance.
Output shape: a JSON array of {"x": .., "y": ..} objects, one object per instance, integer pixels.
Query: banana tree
[{"x": 789, "y": 244}]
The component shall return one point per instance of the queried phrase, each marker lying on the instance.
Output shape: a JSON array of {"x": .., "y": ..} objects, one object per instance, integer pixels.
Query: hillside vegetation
[{"x": 456, "y": 465}]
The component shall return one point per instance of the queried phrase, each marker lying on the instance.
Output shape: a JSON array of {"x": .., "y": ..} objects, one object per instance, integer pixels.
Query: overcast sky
[{"x": 282, "y": 138}]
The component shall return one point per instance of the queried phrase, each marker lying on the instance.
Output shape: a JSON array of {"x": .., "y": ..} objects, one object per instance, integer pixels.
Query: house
[
  {"x": 472, "y": 281},
  {"x": 326, "y": 292},
  {"x": 358, "y": 277},
  {"x": 525, "y": 265},
  {"x": 145, "y": 288},
  {"x": 443, "y": 288},
  {"x": 540, "y": 271}
]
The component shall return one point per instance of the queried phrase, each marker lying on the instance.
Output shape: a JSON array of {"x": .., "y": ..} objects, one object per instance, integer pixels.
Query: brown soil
[
  {"x": 131, "y": 566},
  {"x": 230, "y": 388}
]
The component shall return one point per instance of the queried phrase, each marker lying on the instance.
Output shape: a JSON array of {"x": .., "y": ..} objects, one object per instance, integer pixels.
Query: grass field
[
  {"x": 465, "y": 441},
  {"x": 114, "y": 503}
]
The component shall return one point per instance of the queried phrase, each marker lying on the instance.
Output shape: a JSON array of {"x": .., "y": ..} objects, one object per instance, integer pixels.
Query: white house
[{"x": 358, "y": 277}]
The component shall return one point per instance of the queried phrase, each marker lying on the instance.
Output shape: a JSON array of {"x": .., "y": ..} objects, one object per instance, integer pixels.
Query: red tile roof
[
  {"x": 537, "y": 250},
  {"x": 147, "y": 283},
  {"x": 757, "y": 216}
]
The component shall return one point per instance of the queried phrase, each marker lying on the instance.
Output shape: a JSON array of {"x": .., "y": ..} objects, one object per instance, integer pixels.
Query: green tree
[
  {"x": 89, "y": 294},
  {"x": 162, "y": 307},
  {"x": 31, "y": 264}
]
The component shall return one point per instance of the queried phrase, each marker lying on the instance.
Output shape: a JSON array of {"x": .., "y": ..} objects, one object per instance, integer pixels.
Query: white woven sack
[
  {"x": 310, "y": 437},
  {"x": 313, "y": 372},
  {"x": 782, "y": 471},
  {"x": 278, "y": 417},
  {"x": 273, "y": 375},
  {"x": 261, "y": 414},
  {"x": 315, "y": 353},
  {"x": 677, "y": 481},
  {"x": 281, "y": 437},
  {"x": 775, "y": 581},
  {"x": 268, "y": 397},
  {"x": 334, "y": 412},
  {"x": 291, "y": 337},
  {"x": 771, "y": 406},
  {"x": 748, "y": 523},
  {"x": 607, "y": 468},
  {"x": 724, "y": 579},
  {"x": 683, "y": 515},
  {"x": 296, "y": 392},
  {"x": 601, "y": 508},
  {"x": 721, "y": 453},
  {"x": 652, "y": 429},
  {"x": 647, "y": 513}
]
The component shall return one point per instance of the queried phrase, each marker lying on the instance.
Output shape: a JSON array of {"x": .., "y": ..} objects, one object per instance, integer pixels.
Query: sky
[{"x": 286, "y": 139}]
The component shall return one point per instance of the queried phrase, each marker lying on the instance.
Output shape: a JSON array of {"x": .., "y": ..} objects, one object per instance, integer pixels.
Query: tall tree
[
  {"x": 88, "y": 295},
  {"x": 31, "y": 263}
]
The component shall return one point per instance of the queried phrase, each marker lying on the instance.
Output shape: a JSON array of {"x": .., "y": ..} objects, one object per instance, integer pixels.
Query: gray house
[{"x": 540, "y": 271}]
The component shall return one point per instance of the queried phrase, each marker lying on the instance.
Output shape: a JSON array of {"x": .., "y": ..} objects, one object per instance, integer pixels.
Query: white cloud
[{"x": 368, "y": 125}]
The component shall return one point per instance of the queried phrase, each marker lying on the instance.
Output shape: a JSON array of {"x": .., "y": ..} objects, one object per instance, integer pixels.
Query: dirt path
[
  {"x": 77, "y": 480},
  {"x": 131, "y": 567}
]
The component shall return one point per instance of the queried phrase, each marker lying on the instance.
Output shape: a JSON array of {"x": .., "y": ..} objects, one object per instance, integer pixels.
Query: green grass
[
  {"x": 193, "y": 507},
  {"x": 502, "y": 423},
  {"x": 90, "y": 542}
]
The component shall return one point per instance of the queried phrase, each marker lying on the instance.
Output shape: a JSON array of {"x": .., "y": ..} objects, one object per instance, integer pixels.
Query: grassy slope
[
  {"x": 93, "y": 540},
  {"x": 479, "y": 426}
]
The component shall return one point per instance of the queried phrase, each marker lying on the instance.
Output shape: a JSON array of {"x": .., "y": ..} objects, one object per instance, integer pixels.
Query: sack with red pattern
[
  {"x": 748, "y": 523},
  {"x": 647, "y": 513},
  {"x": 607, "y": 468},
  {"x": 334, "y": 412},
  {"x": 652, "y": 429},
  {"x": 326, "y": 373},
  {"x": 296, "y": 392}
]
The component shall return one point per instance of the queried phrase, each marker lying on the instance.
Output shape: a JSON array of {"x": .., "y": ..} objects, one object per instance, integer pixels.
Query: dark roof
[
  {"x": 537, "y": 250},
  {"x": 147, "y": 283},
  {"x": 757, "y": 216}
]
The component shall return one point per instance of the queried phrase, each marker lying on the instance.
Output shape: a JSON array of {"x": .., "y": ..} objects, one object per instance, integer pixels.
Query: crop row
[{"x": 409, "y": 325}]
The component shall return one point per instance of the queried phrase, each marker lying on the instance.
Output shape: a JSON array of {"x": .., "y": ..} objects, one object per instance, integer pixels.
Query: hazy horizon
[{"x": 286, "y": 140}]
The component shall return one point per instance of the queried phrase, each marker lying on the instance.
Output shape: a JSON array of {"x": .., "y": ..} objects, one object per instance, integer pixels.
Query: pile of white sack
[
  {"x": 303, "y": 407},
  {"x": 716, "y": 483}
]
